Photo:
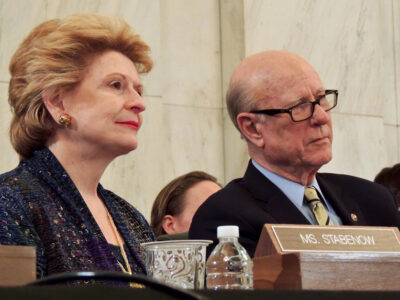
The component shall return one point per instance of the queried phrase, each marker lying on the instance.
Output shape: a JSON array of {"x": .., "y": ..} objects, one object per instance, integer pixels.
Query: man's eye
[{"x": 322, "y": 99}]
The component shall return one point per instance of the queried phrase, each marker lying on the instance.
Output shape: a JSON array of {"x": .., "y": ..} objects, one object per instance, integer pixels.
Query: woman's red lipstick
[{"x": 131, "y": 124}]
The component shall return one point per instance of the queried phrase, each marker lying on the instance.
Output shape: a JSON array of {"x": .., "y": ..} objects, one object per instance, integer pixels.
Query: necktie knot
[
  {"x": 314, "y": 203},
  {"x": 310, "y": 195}
]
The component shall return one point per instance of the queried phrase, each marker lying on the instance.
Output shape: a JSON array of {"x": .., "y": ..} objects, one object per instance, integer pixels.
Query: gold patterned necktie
[{"x": 312, "y": 200}]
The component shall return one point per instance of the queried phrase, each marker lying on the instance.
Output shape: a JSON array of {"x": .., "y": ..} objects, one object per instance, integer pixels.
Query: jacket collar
[{"x": 270, "y": 198}]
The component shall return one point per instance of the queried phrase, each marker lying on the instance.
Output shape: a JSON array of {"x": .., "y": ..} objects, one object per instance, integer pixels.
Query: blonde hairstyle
[
  {"x": 169, "y": 200},
  {"x": 53, "y": 57}
]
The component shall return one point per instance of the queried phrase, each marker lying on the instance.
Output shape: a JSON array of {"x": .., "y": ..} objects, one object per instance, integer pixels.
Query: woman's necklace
[{"x": 126, "y": 270}]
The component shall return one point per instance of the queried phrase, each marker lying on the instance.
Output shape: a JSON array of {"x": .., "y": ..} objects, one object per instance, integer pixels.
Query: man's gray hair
[{"x": 239, "y": 98}]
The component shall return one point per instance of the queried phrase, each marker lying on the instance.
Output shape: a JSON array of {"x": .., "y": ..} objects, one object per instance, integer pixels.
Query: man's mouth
[{"x": 321, "y": 139}]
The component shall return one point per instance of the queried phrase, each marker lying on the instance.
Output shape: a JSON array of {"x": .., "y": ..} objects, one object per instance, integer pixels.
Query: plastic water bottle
[{"x": 229, "y": 266}]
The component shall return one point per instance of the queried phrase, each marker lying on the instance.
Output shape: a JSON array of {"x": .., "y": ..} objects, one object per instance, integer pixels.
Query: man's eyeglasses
[{"x": 304, "y": 111}]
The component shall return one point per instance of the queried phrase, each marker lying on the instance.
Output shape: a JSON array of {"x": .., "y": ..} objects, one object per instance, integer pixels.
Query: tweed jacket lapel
[
  {"x": 46, "y": 167},
  {"x": 271, "y": 199}
]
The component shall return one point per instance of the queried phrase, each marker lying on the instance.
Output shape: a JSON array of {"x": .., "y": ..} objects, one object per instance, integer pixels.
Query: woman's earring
[{"x": 64, "y": 119}]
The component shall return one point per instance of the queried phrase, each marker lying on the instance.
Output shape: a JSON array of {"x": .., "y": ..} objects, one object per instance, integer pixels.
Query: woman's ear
[
  {"x": 250, "y": 126},
  {"x": 52, "y": 101},
  {"x": 168, "y": 224}
]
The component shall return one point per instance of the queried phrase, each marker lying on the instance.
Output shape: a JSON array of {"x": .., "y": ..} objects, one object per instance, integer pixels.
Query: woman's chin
[
  {"x": 125, "y": 149},
  {"x": 130, "y": 148}
]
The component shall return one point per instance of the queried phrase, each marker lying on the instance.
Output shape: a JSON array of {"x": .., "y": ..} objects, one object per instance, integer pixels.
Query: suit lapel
[
  {"x": 347, "y": 209},
  {"x": 274, "y": 202},
  {"x": 271, "y": 199}
]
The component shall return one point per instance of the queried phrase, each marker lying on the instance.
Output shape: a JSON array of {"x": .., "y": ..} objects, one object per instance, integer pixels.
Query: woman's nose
[{"x": 136, "y": 102}]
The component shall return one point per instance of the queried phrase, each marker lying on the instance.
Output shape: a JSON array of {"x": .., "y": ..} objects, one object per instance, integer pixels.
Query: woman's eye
[{"x": 116, "y": 84}]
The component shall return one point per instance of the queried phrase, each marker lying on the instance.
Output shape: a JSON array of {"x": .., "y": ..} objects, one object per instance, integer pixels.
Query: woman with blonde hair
[{"x": 76, "y": 100}]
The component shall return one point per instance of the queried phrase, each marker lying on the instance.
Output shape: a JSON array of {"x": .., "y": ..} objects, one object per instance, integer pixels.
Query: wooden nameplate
[
  {"x": 327, "y": 258},
  {"x": 17, "y": 265}
]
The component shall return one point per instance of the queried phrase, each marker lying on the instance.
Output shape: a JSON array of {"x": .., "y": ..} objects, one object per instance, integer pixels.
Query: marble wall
[{"x": 354, "y": 45}]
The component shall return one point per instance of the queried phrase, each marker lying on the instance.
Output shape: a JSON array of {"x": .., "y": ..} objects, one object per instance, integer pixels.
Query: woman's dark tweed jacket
[{"x": 40, "y": 206}]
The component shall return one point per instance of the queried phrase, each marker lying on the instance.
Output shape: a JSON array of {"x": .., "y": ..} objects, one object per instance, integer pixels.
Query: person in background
[
  {"x": 176, "y": 203},
  {"x": 390, "y": 178},
  {"x": 76, "y": 100},
  {"x": 280, "y": 106}
]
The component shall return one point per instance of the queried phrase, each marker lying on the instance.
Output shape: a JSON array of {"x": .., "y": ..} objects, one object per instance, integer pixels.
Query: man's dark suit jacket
[{"x": 253, "y": 200}]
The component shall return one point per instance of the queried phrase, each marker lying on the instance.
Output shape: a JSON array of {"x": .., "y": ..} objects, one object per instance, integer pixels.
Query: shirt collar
[{"x": 293, "y": 190}]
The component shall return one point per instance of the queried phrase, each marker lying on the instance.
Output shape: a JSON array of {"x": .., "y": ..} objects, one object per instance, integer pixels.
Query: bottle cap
[{"x": 228, "y": 231}]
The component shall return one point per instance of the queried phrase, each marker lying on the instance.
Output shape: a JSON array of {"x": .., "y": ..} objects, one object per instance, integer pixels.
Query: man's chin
[
  {"x": 321, "y": 160},
  {"x": 325, "y": 161}
]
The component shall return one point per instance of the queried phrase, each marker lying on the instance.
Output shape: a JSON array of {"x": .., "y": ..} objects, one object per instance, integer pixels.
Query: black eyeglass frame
[{"x": 272, "y": 112}]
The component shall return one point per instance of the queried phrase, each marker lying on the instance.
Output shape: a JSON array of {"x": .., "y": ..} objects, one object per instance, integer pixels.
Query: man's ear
[
  {"x": 250, "y": 127},
  {"x": 52, "y": 101},
  {"x": 168, "y": 224}
]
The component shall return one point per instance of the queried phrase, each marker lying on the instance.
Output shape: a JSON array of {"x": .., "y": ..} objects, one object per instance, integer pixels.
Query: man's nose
[{"x": 320, "y": 116}]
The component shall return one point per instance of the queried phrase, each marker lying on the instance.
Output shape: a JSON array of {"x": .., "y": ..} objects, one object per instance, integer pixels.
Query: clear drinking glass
[{"x": 180, "y": 263}]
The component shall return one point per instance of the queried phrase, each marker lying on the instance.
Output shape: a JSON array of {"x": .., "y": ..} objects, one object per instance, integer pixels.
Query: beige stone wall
[{"x": 355, "y": 46}]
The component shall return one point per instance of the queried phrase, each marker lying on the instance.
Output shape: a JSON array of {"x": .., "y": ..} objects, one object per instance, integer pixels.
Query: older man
[{"x": 279, "y": 104}]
